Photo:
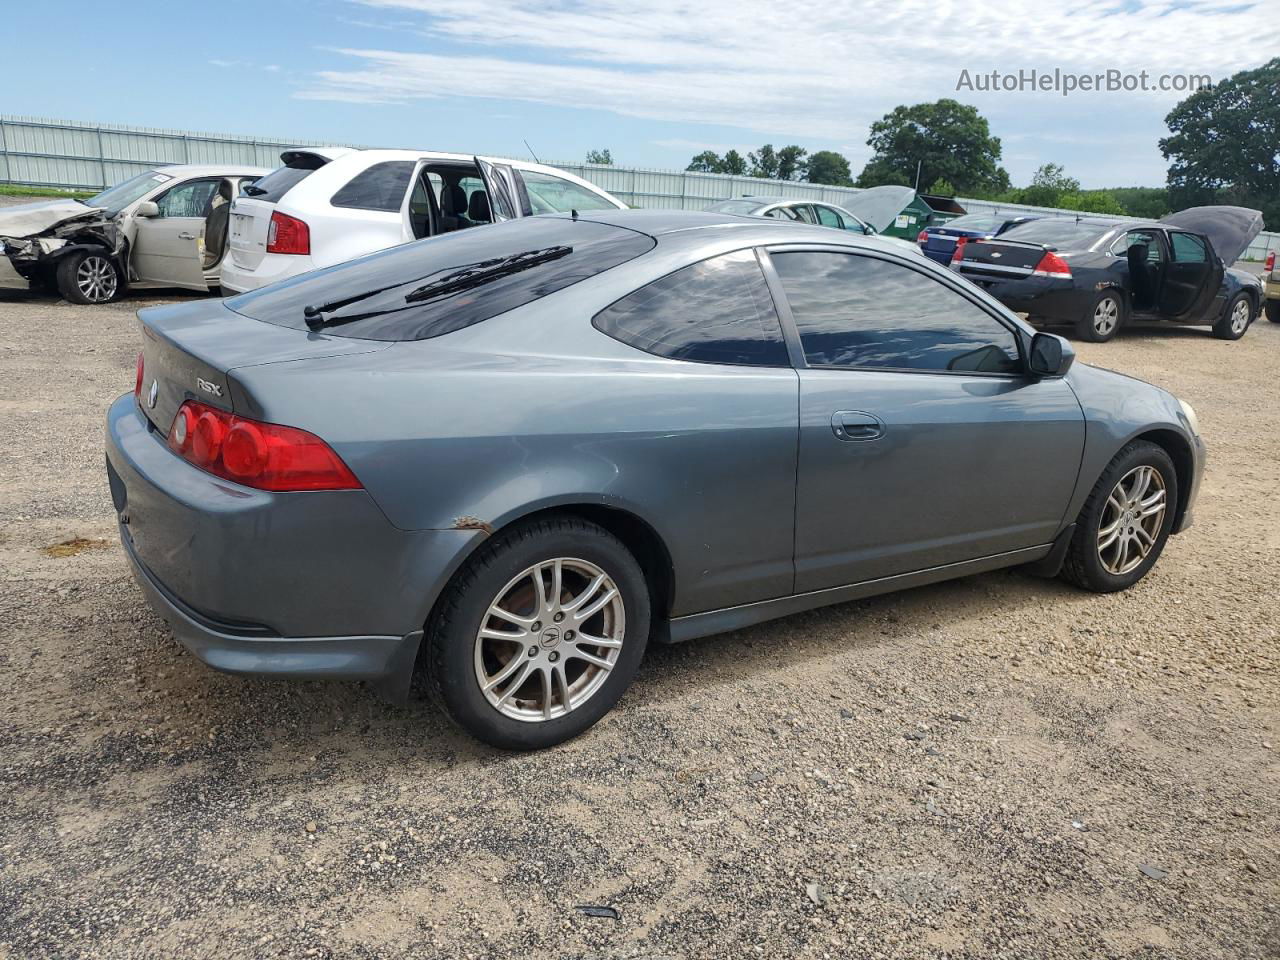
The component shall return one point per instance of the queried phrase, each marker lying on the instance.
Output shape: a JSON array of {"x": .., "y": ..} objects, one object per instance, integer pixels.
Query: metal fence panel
[{"x": 61, "y": 153}]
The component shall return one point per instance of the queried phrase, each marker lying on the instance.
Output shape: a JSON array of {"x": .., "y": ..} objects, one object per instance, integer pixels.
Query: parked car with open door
[
  {"x": 325, "y": 207},
  {"x": 1096, "y": 274},
  {"x": 162, "y": 228}
]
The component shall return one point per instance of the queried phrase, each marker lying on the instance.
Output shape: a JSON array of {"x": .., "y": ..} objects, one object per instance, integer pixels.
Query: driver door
[{"x": 169, "y": 247}]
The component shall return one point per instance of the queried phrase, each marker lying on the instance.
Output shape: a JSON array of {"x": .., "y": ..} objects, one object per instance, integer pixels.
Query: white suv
[{"x": 328, "y": 205}]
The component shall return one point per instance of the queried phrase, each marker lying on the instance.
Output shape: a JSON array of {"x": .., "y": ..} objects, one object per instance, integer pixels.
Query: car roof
[
  {"x": 675, "y": 226},
  {"x": 209, "y": 169}
]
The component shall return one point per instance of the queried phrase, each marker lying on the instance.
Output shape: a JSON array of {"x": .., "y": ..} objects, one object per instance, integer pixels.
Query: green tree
[
  {"x": 708, "y": 161},
  {"x": 1223, "y": 143},
  {"x": 827, "y": 166},
  {"x": 1049, "y": 184},
  {"x": 1150, "y": 203},
  {"x": 764, "y": 162},
  {"x": 734, "y": 163},
  {"x": 941, "y": 188},
  {"x": 945, "y": 139},
  {"x": 1092, "y": 201},
  {"x": 791, "y": 162},
  {"x": 602, "y": 157}
]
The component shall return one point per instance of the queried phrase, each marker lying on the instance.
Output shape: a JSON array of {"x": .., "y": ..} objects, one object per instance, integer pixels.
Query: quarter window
[
  {"x": 856, "y": 311},
  {"x": 1188, "y": 248},
  {"x": 379, "y": 187},
  {"x": 548, "y": 194},
  {"x": 716, "y": 311}
]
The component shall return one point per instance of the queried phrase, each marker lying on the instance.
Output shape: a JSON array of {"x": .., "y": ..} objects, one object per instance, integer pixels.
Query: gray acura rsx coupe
[{"x": 514, "y": 456}]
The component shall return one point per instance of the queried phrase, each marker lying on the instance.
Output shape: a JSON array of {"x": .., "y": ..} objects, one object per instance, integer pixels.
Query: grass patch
[{"x": 17, "y": 190}]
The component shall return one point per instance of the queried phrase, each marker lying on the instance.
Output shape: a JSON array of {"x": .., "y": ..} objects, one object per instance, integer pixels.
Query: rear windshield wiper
[
  {"x": 464, "y": 278},
  {"x": 252, "y": 190}
]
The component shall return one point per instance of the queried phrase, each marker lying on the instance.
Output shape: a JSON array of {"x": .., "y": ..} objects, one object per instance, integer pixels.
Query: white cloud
[{"x": 807, "y": 70}]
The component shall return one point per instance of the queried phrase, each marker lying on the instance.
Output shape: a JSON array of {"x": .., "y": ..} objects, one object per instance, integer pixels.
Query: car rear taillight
[
  {"x": 922, "y": 237},
  {"x": 263, "y": 455},
  {"x": 1270, "y": 265},
  {"x": 958, "y": 254},
  {"x": 1052, "y": 265},
  {"x": 137, "y": 379},
  {"x": 288, "y": 234}
]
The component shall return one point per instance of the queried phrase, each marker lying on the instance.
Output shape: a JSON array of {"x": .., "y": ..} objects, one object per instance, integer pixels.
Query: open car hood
[
  {"x": 1229, "y": 229},
  {"x": 28, "y": 219},
  {"x": 878, "y": 206}
]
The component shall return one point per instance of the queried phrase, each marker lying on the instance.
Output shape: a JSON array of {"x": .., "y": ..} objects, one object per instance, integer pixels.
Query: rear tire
[
  {"x": 1103, "y": 319},
  {"x": 89, "y": 277},
  {"x": 1235, "y": 319},
  {"x": 1273, "y": 311},
  {"x": 548, "y": 682},
  {"x": 1119, "y": 535}
]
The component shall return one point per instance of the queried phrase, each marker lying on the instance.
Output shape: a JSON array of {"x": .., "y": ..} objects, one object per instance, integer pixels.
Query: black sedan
[
  {"x": 939, "y": 243},
  {"x": 1096, "y": 274}
]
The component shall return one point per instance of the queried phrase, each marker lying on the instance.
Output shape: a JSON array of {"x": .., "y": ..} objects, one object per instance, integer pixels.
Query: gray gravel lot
[{"x": 996, "y": 767}]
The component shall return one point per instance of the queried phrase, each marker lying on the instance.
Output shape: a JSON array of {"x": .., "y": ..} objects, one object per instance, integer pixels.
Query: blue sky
[{"x": 654, "y": 83}]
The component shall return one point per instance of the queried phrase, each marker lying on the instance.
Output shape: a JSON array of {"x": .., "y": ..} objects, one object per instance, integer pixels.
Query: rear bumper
[
  {"x": 234, "y": 648},
  {"x": 273, "y": 266},
  {"x": 1051, "y": 299},
  {"x": 1271, "y": 288},
  {"x": 288, "y": 584}
]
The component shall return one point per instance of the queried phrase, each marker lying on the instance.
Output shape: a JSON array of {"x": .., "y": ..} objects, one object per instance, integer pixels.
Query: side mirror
[
  {"x": 1051, "y": 356},
  {"x": 147, "y": 208},
  {"x": 869, "y": 230}
]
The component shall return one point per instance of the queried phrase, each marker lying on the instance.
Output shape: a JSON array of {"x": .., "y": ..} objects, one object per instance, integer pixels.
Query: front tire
[
  {"x": 89, "y": 277},
  {"x": 539, "y": 634},
  {"x": 1102, "y": 320},
  {"x": 1126, "y": 520},
  {"x": 1235, "y": 319}
]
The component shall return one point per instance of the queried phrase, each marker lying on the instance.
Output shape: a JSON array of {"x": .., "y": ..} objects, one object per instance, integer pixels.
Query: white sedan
[
  {"x": 328, "y": 205},
  {"x": 162, "y": 228}
]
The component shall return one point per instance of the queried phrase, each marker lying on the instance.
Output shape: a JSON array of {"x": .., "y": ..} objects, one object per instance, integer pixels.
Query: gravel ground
[{"x": 995, "y": 767}]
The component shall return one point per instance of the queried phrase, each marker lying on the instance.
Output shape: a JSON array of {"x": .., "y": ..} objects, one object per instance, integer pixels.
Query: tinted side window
[
  {"x": 380, "y": 187},
  {"x": 1188, "y": 248},
  {"x": 716, "y": 311},
  {"x": 854, "y": 311},
  {"x": 828, "y": 217}
]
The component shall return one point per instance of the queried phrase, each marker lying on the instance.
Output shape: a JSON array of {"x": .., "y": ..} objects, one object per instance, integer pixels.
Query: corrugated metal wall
[{"x": 62, "y": 153}]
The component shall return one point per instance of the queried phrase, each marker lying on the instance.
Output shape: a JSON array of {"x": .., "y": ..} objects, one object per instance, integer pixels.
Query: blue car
[{"x": 939, "y": 243}]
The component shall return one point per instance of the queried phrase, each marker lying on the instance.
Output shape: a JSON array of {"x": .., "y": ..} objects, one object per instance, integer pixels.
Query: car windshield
[
  {"x": 734, "y": 206},
  {"x": 114, "y": 199},
  {"x": 1063, "y": 234},
  {"x": 974, "y": 221}
]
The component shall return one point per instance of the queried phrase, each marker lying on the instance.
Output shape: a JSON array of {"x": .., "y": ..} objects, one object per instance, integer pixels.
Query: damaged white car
[{"x": 163, "y": 228}]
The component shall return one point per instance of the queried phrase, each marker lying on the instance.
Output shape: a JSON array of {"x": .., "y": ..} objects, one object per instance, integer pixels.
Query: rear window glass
[
  {"x": 975, "y": 222},
  {"x": 431, "y": 287},
  {"x": 277, "y": 183},
  {"x": 1063, "y": 234},
  {"x": 716, "y": 311},
  {"x": 381, "y": 187}
]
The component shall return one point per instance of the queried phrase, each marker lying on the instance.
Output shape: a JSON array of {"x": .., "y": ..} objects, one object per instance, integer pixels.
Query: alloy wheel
[
  {"x": 1105, "y": 316},
  {"x": 1131, "y": 520},
  {"x": 549, "y": 639},
  {"x": 1240, "y": 317},
  {"x": 96, "y": 279}
]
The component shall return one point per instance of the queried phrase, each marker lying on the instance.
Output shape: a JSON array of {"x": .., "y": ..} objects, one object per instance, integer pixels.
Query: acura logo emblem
[{"x": 153, "y": 393}]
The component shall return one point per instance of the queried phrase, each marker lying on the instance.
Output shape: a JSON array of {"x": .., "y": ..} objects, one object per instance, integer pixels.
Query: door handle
[
  {"x": 186, "y": 236},
  {"x": 856, "y": 425}
]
